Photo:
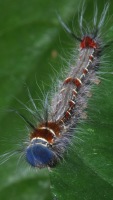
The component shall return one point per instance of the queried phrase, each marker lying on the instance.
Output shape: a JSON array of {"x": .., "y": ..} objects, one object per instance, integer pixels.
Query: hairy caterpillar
[{"x": 52, "y": 134}]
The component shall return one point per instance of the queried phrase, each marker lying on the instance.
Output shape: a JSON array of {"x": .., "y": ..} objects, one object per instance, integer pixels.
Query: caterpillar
[{"x": 51, "y": 136}]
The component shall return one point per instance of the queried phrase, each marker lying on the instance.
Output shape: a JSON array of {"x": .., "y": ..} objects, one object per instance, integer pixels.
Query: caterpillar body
[{"x": 50, "y": 137}]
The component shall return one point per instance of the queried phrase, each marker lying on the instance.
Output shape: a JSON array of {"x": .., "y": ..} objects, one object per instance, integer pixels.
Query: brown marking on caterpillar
[
  {"x": 85, "y": 70},
  {"x": 71, "y": 103},
  {"x": 91, "y": 57},
  {"x": 77, "y": 82},
  {"x": 68, "y": 80},
  {"x": 74, "y": 92},
  {"x": 67, "y": 114},
  {"x": 88, "y": 42},
  {"x": 46, "y": 131}
]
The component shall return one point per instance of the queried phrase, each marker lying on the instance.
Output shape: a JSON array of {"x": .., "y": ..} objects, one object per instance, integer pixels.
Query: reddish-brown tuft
[
  {"x": 85, "y": 70},
  {"x": 68, "y": 80},
  {"x": 67, "y": 114},
  {"x": 74, "y": 92},
  {"x": 77, "y": 82},
  {"x": 71, "y": 103},
  {"x": 88, "y": 42},
  {"x": 91, "y": 57},
  {"x": 46, "y": 131}
]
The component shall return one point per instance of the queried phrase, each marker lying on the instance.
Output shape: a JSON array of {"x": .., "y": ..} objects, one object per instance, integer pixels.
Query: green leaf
[{"x": 30, "y": 40}]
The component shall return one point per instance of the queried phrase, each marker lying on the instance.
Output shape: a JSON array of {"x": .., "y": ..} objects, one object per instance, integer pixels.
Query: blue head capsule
[{"x": 38, "y": 154}]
